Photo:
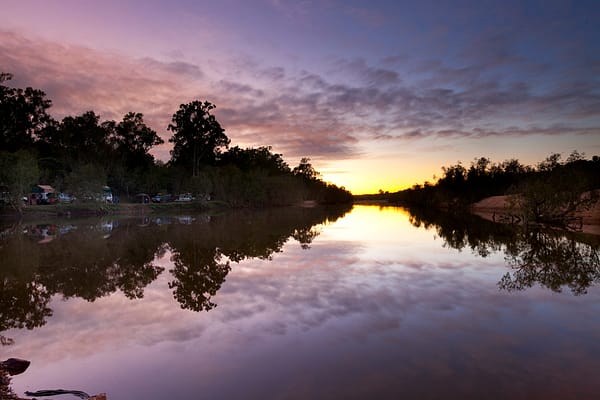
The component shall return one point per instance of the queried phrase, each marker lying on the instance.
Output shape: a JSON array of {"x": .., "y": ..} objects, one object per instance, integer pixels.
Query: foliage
[
  {"x": 132, "y": 139},
  {"x": 6, "y": 393},
  {"x": 557, "y": 191},
  {"x": 18, "y": 173},
  {"x": 86, "y": 181},
  {"x": 22, "y": 115},
  {"x": 551, "y": 192},
  {"x": 82, "y": 153},
  {"x": 305, "y": 170},
  {"x": 198, "y": 275},
  {"x": 552, "y": 260},
  {"x": 255, "y": 159},
  {"x": 198, "y": 137}
]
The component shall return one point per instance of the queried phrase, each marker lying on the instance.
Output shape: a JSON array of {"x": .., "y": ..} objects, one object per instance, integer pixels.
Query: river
[{"x": 303, "y": 303}]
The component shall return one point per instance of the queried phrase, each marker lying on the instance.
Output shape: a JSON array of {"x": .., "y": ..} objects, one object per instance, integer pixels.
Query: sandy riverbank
[{"x": 498, "y": 205}]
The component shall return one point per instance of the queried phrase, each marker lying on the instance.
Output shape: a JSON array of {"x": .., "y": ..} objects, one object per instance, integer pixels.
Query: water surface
[{"x": 302, "y": 303}]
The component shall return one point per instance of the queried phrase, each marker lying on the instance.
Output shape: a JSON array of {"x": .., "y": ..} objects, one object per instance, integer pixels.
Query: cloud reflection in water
[{"x": 354, "y": 316}]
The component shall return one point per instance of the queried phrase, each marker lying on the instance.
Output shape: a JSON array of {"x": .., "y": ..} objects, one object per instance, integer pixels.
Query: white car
[
  {"x": 185, "y": 197},
  {"x": 65, "y": 198}
]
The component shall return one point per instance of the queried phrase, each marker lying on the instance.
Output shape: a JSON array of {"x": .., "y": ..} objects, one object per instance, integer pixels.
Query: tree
[
  {"x": 557, "y": 190},
  {"x": 79, "y": 139},
  {"x": 86, "y": 181},
  {"x": 306, "y": 170},
  {"x": 552, "y": 260},
  {"x": 22, "y": 115},
  {"x": 255, "y": 159},
  {"x": 18, "y": 173},
  {"x": 133, "y": 139},
  {"x": 198, "y": 275},
  {"x": 198, "y": 137}
]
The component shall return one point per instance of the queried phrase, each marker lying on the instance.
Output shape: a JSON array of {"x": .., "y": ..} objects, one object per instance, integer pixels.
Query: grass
[{"x": 97, "y": 208}]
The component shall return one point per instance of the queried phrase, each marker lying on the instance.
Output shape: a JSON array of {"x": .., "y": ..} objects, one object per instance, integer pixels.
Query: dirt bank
[{"x": 493, "y": 206}]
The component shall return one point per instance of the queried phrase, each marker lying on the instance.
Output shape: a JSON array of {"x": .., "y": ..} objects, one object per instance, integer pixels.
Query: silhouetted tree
[
  {"x": 132, "y": 139},
  {"x": 77, "y": 140},
  {"x": 557, "y": 190},
  {"x": 306, "y": 170},
  {"x": 198, "y": 137},
  {"x": 550, "y": 193},
  {"x": 82, "y": 153},
  {"x": 255, "y": 159},
  {"x": 22, "y": 115}
]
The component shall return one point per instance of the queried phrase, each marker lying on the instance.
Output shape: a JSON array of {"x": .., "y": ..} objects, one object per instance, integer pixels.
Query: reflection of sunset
[
  {"x": 367, "y": 283},
  {"x": 392, "y": 224},
  {"x": 370, "y": 289}
]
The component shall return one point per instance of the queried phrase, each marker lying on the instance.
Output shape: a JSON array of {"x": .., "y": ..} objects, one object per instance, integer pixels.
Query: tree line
[
  {"x": 550, "y": 192},
  {"x": 80, "y": 154}
]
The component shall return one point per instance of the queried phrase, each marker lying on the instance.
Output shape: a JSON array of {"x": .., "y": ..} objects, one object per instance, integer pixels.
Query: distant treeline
[
  {"x": 81, "y": 153},
  {"x": 548, "y": 192}
]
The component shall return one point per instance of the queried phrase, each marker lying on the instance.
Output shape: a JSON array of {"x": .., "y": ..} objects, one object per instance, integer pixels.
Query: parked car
[
  {"x": 65, "y": 198},
  {"x": 185, "y": 197},
  {"x": 162, "y": 198},
  {"x": 45, "y": 198},
  {"x": 142, "y": 198}
]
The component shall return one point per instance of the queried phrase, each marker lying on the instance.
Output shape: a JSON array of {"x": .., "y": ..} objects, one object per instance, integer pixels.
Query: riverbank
[
  {"x": 496, "y": 209},
  {"x": 125, "y": 209},
  {"x": 98, "y": 209},
  {"x": 492, "y": 208}
]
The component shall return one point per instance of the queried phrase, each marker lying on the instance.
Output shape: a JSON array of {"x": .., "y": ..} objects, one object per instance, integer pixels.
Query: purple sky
[{"x": 379, "y": 94}]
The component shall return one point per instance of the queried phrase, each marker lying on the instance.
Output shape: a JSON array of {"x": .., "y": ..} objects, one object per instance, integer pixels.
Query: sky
[{"x": 378, "y": 94}]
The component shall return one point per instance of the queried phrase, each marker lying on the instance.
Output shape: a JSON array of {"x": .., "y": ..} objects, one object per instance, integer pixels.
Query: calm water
[{"x": 372, "y": 303}]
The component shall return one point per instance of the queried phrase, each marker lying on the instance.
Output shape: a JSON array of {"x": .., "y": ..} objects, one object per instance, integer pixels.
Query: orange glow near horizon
[{"x": 368, "y": 176}]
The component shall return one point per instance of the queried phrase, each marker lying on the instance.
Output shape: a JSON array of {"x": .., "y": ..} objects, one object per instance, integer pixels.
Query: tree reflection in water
[
  {"x": 553, "y": 259},
  {"x": 23, "y": 299},
  {"x": 93, "y": 260},
  {"x": 198, "y": 275}
]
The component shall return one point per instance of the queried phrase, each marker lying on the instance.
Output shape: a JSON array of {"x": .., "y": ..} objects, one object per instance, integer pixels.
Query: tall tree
[
  {"x": 79, "y": 139},
  {"x": 306, "y": 170},
  {"x": 256, "y": 159},
  {"x": 22, "y": 115},
  {"x": 133, "y": 139},
  {"x": 198, "y": 137}
]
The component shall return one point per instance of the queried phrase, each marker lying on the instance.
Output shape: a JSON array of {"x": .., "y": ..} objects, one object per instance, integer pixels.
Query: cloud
[
  {"x": 361, "y": 71},
  {"x": 398, "y": 308},
  {"x": 293, "y": 10},
  {"x": 174, "y": 67},
  {"x": 368, "y": 17},
  {"x": 323, "y": 115},
  {"x": 77, "y": 79},
  {"x": 238, "y": 88}
]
